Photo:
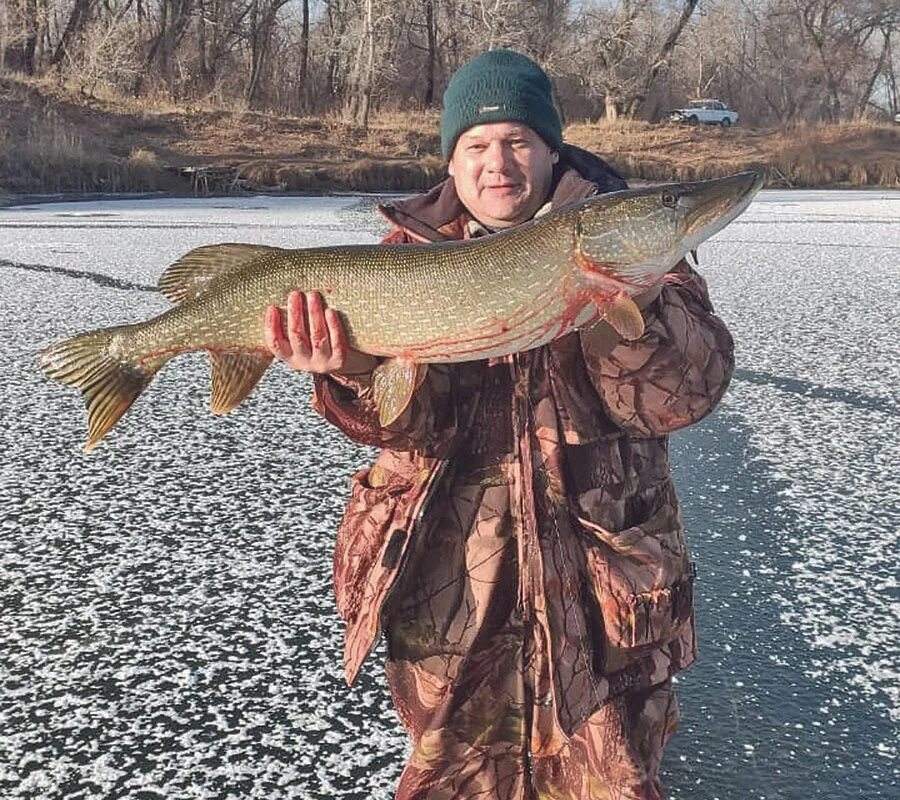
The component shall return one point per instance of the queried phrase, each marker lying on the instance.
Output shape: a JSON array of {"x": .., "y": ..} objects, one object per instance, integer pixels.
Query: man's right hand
[{"x": 314, "y": 338}]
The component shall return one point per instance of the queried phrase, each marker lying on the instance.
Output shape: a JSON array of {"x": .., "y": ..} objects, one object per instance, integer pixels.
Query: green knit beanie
[{"x": 499, "y": 86}]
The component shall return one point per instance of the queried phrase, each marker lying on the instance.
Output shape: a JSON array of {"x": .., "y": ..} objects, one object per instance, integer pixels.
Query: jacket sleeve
[
  {"x": 428, "y": 424},
  {"x": 677, "y": 372}
]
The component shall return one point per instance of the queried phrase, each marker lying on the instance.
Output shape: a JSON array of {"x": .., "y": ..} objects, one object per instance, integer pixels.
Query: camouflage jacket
[{"x": 603, "y": 568}]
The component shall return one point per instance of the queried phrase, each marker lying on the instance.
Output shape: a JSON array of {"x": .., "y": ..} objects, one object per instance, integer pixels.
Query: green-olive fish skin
[{"x": 413, "y": 304}]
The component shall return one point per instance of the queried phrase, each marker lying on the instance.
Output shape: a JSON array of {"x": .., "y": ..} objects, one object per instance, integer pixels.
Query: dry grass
[
  {"x": 373, "y": 175},
  {"x": 52, "y": 139},
  {"x": 364, "y": 174},
  {"x": 53, "y": 157},
  {"x": 850, "y": 154},
  {"x": 44, "y": 149}
]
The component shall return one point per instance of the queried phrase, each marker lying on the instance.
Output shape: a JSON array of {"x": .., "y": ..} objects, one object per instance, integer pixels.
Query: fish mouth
[{"x": 710, "y": 205}]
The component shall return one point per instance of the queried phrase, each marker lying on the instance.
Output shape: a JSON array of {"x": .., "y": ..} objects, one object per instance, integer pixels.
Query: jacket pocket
[
  {"x": 371, "y": 538},
  {"x": 642, "y": 582}
]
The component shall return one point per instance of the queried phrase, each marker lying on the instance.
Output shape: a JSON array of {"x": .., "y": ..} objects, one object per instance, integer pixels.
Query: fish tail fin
[{"x": 108, "y": 384}]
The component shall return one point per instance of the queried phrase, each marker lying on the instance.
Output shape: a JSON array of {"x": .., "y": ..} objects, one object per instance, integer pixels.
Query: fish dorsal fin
[
  {"x": 393, "y": 385},
  {"x": 189, "y": 276},
  {"x": 622, "y": 314},
  {"x": 234, "y": 374}
]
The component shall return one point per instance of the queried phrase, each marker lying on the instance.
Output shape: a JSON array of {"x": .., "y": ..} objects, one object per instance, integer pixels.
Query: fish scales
[
  {"x": 410, "y": 304},
  {"x": 389, "y": 301}
]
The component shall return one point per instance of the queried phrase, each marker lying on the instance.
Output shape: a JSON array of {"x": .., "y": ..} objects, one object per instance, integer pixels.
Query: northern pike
[{"x": 412, "y": 304}]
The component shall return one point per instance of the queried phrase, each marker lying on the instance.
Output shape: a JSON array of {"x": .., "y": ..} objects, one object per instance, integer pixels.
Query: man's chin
[{"x": 505, "y": 213}]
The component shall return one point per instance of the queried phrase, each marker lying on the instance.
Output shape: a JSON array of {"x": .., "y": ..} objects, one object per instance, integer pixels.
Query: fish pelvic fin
[
  {"x": 622, "y": 314},
  {"x": 188, "y": 277},
  {"x": 109, "y": 385},
  {"x": 393, "y": 384},
  {"x": 234, "y": 375}
]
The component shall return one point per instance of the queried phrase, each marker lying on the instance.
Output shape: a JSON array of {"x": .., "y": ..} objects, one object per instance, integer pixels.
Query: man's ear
[
  {"x": 554, "y": 157},
  {"x": 450, "y": 169}
]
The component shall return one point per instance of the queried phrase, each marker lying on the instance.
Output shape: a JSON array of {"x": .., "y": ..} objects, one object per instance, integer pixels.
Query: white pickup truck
[{"x": 710, "y": 112}]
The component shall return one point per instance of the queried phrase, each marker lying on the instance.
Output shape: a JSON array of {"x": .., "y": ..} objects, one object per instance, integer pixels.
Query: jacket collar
[{"x": 439, "y": 215}]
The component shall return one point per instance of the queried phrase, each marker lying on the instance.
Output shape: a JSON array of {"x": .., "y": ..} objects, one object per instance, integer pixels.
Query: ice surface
[{"x": 168, "y": 624}]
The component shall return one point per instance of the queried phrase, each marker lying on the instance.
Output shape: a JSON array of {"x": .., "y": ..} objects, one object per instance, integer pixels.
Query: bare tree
[
  {"x": 629, "y": 51},
  {"x": 172, "y": 25},
  {"x": 219, "y": 32},
  {"x": 778, "y": 60},
  {"x": 81, "y": 13},
  {"x": 362, "y": 75},
  {"x": 263, "y": 17},
  {"x": 304, "y": 54}
]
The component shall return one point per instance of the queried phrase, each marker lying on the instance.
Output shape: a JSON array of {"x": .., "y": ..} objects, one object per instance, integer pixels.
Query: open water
[{"x": 167, "y": 628}]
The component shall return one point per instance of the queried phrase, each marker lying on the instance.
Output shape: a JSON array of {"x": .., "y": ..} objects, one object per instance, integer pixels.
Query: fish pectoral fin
[
  {"x": 109, "y": 385},
  {"x": 234, "y": 375},
  {"x": 189, "y": 276},
  {"x": 393, "y": 384},
  {"x": 622, "y": 314}
]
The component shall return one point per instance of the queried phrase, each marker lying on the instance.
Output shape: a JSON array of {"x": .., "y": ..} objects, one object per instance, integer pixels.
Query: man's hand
[{"x": 314, "y": 339}]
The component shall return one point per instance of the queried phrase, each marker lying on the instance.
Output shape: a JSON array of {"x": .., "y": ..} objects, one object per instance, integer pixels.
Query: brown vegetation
[
  {"x": 778, "y": 62},
  {"x": 840, "y": 154},
  {"x": 52, "y": 140}
]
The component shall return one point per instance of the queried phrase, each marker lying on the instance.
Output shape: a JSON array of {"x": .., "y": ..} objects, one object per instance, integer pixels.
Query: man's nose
[{"x": 497, "y": 157}]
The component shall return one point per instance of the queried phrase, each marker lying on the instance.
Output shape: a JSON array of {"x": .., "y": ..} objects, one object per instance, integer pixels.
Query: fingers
[
  {"x": 337, "y": 336},
  {"x": 318, "y": 327},
  {"x": 298, "y": 326},
  {"x": 274, "y": 330},
  {"x": 316, "y": 340}
]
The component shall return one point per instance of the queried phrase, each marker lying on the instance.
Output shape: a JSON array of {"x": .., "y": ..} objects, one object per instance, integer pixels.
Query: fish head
[{"x": 636, "y": 236}]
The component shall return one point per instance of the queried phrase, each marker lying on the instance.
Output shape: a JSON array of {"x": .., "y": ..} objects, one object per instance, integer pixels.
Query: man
[{"x": 518, "y": 540}]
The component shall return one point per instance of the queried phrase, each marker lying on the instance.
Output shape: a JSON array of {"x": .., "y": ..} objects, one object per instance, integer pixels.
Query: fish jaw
[
  {"x": 708, "y": 206},
  {"x": 626, "y": 241}
]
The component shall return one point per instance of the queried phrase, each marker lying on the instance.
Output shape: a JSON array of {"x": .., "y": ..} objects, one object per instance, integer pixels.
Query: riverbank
[{"x": 54, "y": 140}]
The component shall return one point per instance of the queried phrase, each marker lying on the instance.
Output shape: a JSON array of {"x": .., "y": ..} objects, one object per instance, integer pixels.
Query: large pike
[{"x": 412, "y": 304}]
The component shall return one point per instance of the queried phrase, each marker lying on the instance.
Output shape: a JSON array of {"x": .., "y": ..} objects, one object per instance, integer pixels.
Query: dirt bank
[{"x": 54, "y": 140}]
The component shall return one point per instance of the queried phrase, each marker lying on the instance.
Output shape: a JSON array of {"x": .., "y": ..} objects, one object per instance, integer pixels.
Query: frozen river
[{"x": 168, "y": 628}]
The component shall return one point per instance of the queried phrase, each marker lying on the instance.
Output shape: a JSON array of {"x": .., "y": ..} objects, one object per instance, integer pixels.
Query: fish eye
[{"x": 669, "y": 200}]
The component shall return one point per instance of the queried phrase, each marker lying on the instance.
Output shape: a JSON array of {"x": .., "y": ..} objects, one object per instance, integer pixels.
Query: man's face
[{"x": 503, "y": 172}]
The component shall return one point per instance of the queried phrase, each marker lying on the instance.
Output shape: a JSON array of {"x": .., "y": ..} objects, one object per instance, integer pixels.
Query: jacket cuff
[{"x": 360, "y": 383}]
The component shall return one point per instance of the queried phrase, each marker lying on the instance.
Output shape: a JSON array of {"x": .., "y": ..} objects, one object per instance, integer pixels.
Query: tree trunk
[
  {"x": 174, "y": 18},
  {"x": 205, "y": 67},
  {"x": 304, "y": 56},
  {"x": 431, "y": 63},
  {"x": 356, "y": 111},
  {"x": 892, "y": 79},
  {"x": 662, "y": 56},
  {"x": 31, "y": 36},
  {"x": 78, "y": 18},
  {"x": 863, "y": 102},
  {"x": 263, "y": 26},
  {"x": 611, "y": 107},
  {"x": 254, "y": 52}
]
